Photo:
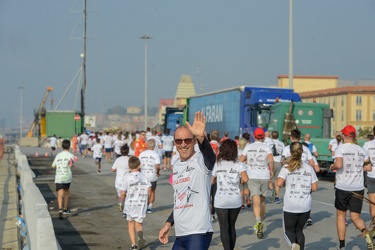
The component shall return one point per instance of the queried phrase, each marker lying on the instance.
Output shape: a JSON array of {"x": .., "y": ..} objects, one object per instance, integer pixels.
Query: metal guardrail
[{"x": 39, "y": 228}]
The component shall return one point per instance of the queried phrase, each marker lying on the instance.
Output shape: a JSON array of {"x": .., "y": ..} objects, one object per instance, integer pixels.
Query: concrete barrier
[{"x": 40, "y": 231}]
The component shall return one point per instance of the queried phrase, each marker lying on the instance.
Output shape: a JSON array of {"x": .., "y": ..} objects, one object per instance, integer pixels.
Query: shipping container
[{"x": 63, "y": 123}]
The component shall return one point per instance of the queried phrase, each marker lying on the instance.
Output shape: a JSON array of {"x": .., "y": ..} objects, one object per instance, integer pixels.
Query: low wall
[
  {"x": 29, "y": 142},
  {"x": 40, "y": 232}
]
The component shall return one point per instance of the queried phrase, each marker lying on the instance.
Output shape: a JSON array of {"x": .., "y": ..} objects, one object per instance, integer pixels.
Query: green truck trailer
[
  {"x": 312, "y": 118},
  {"x": 63, "y": 123}
]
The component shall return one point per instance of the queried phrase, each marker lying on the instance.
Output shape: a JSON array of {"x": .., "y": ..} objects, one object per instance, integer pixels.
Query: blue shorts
[
  {"x": 108, "y": 150},
  {"x": 193, "y": 242}
]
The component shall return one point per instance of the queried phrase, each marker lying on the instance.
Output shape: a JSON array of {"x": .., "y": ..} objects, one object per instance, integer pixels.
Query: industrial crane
[{"x": 39, "y": 123}]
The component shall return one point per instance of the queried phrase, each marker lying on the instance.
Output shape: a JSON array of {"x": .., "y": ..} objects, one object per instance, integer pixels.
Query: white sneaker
[{"x": 295, "y": 246}]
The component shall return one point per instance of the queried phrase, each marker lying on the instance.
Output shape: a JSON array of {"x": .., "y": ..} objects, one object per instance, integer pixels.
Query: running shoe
[
  {"x": 149, "y": 210},
  {"x": 259, "y": 229},
  {"x": 369, "y": 243},
  {"x": 272, "y": 195},
  {"x": 61, "y": 212},
  {"x": 124, "y": 216},
  {"x": 309, "y": 222},
  {"x": 213, "y": 218},
  {"x": 98, "y": 171},
  {"x": 295, "y": 246},
  {"x": 141, "y": 240},
  {"x": 67, "y": 211},
  {"x": 120, "y": 207},
  {"x": 277, "y": 200},
  {"x": 338, "y": 248},
  {"x": 248, "y": 202},
  {"x": 133, "y": 247}
]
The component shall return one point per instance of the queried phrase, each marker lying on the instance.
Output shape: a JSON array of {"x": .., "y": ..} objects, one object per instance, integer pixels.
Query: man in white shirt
[
  {"x": 351, "y": 161},
  {"x": 277, "y": 150},
  {"x": 52, "y": 143},
  {"x": 192, "y": 174},
  {"x": 84, "y": 141},
  {"x": 167, "y": 141},
  {"x": 259, "y": 161},
  {"x": 150, "y": 167}
]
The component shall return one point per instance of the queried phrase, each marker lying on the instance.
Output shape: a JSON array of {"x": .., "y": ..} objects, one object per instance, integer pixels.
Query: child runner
[
  {"x": 97, "y": 154},
  {"x": 121, "y": 168},
  {"x": 63, "y": 162},
  {"x": 135, "y": 191}
]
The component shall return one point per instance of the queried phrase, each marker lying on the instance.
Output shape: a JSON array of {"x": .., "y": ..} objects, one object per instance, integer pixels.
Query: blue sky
[{"x": 219, "y": 43}]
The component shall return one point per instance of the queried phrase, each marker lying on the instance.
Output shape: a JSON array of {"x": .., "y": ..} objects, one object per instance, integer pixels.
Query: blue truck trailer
[
  {"x": 172, "y": 119},
  {"x": 240, "y": 109}
]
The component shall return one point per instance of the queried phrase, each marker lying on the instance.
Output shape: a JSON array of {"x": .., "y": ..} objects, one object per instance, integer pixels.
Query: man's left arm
[{"x": 208, "y": 153}]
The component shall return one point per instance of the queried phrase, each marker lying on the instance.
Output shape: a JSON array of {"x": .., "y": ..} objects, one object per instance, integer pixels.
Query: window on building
[
  {"x": 358, "y": 115},
  {"x": 359, "y": 100},
  {"x": 342, "y": 101},
  {"x": 342, "y": 116}
]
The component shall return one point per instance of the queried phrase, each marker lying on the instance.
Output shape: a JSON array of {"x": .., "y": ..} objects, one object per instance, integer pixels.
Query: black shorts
[
  {"x": 167, "y": 154},
  {"x": 53, "y": 148},
  {"x": 153, "y": 185},
  {"x": 64, "y": 186},
  {"x": 344, "y": 200},
  {"x": 370, "y": 184}
]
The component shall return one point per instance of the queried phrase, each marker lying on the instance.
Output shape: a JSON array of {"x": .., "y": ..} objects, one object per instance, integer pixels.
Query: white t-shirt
[
  {"x": 108, "y": 141},
  {"x": 333, "y": 142},
  {"x": 97, "y": 151},
  {"x": 157, "y": 143},
  {"x": 149, "y": 159},
  {"x": 297, "y": 197},
  {"x": 350, "y": 176},
  {"x": 117, "y": 146},
  {"x": 192, "y": 184},
  {"x": 268, "y": 141},
  {"x": 306, "y": 155},
  {"x": 61, "y": 162},
  {"x": 257, "y": 160},
  {"x": 279, "y": 145},
  {"x": 228, "y": 174},
  {"x": 148, "y": 135},
  {"x": 369, "y": 148},
  {"x": 136, "y": 187},
  {"x": 167, "y": 141},
  {"x": 52, "y": 141},
  {"x": 122, "y": 168},
  {"x": 84, "y": 138}
]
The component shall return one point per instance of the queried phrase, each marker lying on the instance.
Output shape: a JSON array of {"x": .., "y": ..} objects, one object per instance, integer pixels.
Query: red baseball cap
[
  {"x": 259, "y": 133},
  {"x": 349, "y": 131}
]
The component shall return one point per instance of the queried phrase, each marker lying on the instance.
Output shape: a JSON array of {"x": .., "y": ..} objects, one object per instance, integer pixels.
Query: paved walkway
[{"x": 9, "y": 204}]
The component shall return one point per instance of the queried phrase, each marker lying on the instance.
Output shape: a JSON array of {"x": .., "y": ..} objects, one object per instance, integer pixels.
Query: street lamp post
[
  {"x": 291, "y": 44},
  {"x": 21, "y": 92},
  {"x": 145, "y": 37}
]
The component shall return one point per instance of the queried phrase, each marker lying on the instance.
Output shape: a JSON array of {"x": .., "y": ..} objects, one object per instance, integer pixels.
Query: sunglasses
[{"x": 187, "y": 141}]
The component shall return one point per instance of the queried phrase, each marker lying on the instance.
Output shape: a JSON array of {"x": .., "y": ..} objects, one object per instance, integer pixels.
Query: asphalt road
[{"x": 97, "y": 224}]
